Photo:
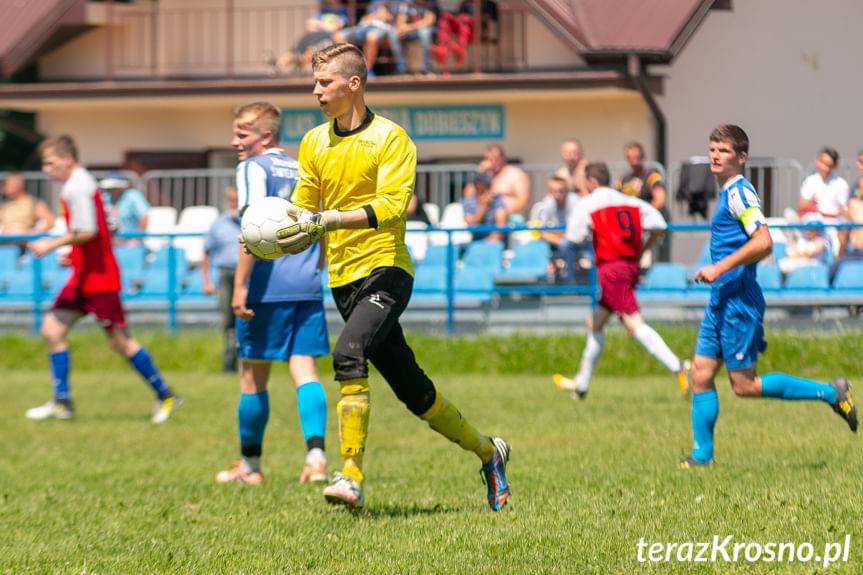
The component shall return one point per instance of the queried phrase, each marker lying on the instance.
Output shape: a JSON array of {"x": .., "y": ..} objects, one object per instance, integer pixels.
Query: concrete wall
[{"x": 787, "y": 72}]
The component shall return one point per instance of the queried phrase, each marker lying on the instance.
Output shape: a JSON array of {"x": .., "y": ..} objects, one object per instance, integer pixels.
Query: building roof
[
  {"x": 31, "y": 27},
  {"x": 595, "y": 29}
]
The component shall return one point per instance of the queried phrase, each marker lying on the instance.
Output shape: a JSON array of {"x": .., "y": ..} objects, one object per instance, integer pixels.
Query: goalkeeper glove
[{"x": 328, "y": 219}]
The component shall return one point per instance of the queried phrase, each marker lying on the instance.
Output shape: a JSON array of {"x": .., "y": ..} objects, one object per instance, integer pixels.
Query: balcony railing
[{"x": 148, "y": 39}]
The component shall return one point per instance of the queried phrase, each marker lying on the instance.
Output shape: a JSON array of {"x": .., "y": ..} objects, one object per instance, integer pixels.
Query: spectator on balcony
[
  {"x": 220, "y": 250},
  {"x": 126, "y": 206},
  {"x": 415, "y": 20},
  {"x": 455, "y": 24},
  {"x": 22, "y": 213},
  {"x": 484, "y": 208},
  {"x": 332, "y": 17},
  {"x": 377, "y": 24},
  {"x": 572, "y": 170}
]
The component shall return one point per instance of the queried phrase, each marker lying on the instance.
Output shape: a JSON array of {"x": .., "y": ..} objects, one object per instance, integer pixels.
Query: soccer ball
[{"x": 260, "y": 222}]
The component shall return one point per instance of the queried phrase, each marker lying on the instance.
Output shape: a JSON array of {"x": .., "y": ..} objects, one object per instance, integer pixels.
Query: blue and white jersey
[
  {"x": 292, "y": 277},
  {"x": 738, "y": 214}
]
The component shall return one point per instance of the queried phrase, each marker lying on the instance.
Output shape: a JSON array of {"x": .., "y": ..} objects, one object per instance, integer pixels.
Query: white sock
[
  {"x": 251, "y": 464},
  {"x": 314, "y": 455},
  {"x": 589, "y": 357},
  {"x": 656, "y": 346}
]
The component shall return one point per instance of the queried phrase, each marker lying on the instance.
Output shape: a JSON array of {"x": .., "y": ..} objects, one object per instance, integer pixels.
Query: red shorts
[
  {"x": 105, "y": 306},
  {"x": 617, "y": 280}
]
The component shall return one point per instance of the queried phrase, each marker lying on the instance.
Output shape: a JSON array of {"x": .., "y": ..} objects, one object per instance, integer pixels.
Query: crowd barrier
[{"x": 450, "y": 278}]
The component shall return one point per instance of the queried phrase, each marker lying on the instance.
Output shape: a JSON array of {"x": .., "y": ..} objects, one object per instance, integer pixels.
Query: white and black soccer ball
[{"x": 260, "y": 222}]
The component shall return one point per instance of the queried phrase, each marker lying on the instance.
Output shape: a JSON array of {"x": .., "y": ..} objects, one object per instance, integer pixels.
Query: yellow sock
[
  {"x": 353, "y": 413},
  {"x": 444, "y": 418}
]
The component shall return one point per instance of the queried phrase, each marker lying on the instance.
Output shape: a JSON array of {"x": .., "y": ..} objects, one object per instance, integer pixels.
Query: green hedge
[{"x": 800, "y": 353}]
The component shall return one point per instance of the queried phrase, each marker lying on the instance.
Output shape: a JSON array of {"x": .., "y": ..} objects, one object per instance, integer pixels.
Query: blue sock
[
  {"x": 143, "y": 363},
  {"x": 784, "y": 386},
  {"x": 60, "y": 375},
  {"x": 705, "y": 410},
  {"x": 253, "y": 412},
  {"x": 312, "y": 406}
]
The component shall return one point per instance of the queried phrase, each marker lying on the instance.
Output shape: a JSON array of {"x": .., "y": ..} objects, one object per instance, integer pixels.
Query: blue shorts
[
  {"x": 733, "y": 331},
  {"x": 279, "y": 330}
]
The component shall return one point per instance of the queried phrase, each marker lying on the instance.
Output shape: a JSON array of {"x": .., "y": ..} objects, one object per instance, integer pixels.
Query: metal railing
[{"x": 170, "y": 301}]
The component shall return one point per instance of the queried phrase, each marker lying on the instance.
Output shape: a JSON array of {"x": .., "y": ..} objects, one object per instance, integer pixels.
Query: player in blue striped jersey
[
  {"x": 732, "y": 330},
  {"x": 279, "y": 306}
]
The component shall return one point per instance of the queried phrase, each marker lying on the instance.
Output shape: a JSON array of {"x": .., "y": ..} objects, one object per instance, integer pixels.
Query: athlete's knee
[
  {"x": 349, "y": 362},
  {"x": 417, "y": 397},
  {"x": 745, "y": 384}
]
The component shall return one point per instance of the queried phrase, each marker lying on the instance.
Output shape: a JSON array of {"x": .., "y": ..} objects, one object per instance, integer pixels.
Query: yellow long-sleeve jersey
[{"x": 373, "y": 166}]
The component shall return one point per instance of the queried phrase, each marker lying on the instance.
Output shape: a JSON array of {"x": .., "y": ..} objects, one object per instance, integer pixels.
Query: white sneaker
[
  {"x": 51, "y": 410},
  {"x": 163, "y": 408},
  {"x": 344, "y": 490}
]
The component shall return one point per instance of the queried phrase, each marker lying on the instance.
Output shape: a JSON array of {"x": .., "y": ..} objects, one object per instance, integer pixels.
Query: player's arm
[
  {"x": 652, "y": 221},
  {"x": 83, "y": 226},
  {"x": 243, "y": 272}
]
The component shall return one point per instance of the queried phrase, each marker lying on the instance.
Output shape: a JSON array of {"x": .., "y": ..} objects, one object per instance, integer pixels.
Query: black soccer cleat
[{"x": 844, "y": 404}]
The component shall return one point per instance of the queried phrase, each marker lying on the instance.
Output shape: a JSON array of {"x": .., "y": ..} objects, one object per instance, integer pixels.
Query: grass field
[{"x": 111, "y": 493}]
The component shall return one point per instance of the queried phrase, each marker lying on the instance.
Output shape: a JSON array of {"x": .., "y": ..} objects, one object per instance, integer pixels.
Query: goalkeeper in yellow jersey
[{"x": 357, "y": 176}]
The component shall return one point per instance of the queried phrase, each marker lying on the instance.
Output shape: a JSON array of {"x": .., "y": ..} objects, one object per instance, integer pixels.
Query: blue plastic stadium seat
[
  {"x": 436, "y": 256},
  {"x": 529, "y": 263},
  {"x": 769, "y": 277},
  {"x": 664, "y": 281},
  {"x": 483, "y": 254},
  {"x": 849, "y": 276},
  {"x": 814, "y": 277},
  {"x": 429, "y": 284},
  {"x": 474, "y": 284}
]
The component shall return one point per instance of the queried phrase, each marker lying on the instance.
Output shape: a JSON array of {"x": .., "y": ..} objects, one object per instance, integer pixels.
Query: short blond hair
[
  {"x": 259, "y": 117},
  {"x": 351, "y": 61}
]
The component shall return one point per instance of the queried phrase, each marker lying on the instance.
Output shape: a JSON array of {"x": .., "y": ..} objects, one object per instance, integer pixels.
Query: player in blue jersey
[
  {"x": 279, "y": 304},
  {"x": 732, "y": 330}
]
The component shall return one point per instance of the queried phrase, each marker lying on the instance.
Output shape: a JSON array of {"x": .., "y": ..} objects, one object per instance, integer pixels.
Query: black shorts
[{"x": 371, "y": 308}]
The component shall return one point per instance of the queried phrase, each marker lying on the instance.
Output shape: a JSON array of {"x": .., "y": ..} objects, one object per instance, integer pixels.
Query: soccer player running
[
  {"x": 279, "y": 304},
  {"x": 92, "y": 288},
  {"x": 732, "y": 330},
  {"x": 618, "y": 222},
  {"x": 360, "y": 171}
]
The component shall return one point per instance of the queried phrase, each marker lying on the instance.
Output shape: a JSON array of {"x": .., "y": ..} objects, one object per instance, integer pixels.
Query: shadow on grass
[{"x": 394, "y": 510}]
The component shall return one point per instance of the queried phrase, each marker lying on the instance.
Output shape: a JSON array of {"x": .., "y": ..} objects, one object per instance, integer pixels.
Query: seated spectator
[
  {"x": 572, "y": 169},
  {"x": 854, "y": 246},
  {"x": 642, "y": 182},
  {"x": 320, "y": 28},
  {"x": 555, "y": 210},
  {"x": 509, "y": 182},
  {"x": 484, "y": 208},
  {"x": 127, "y": 207},
  {"x": 376, "y": 25},
  {"x": 22, "y": 213},
  {"x": 647, "y": 185},
  {"x": 811, "y": 248},
  {"x": 415, "y": 20},
  {"x": 826, "y": 193},
  {"x": 222, "y": 251},
  {"x": 857, "y": 188}
]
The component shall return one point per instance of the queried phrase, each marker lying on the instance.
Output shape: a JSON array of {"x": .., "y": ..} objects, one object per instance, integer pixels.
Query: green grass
[{"x": 110, "y": 493}]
